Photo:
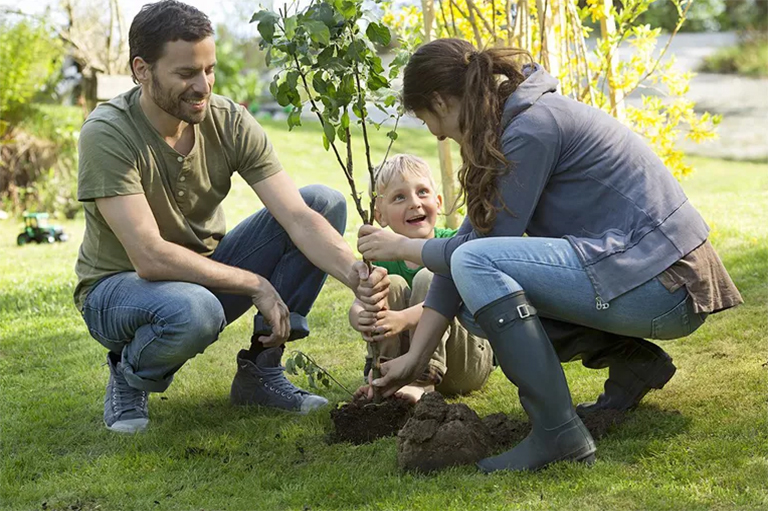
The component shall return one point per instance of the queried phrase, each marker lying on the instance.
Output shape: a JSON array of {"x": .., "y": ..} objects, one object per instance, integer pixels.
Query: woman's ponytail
[{"x": 483, "y": 80}]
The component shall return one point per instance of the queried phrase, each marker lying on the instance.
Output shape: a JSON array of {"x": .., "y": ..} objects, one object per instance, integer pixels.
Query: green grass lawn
[{"x": 700, "y": 443}]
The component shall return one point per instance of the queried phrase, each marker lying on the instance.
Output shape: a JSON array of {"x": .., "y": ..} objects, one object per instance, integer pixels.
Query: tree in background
[
  {"x": 29, "y": 55},
  {"x": 37, "y": 142},
  {"x": 556, "y": 32},
  {"x": 96, "y": 35}
]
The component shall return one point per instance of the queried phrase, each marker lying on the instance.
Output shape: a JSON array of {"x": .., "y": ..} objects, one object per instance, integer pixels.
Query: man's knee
[
  {"x": 202, "y": 321},
  {"x": 328, "y": 202}
]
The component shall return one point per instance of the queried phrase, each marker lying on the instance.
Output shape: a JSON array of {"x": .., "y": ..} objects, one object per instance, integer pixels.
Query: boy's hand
[
  {"x": 387, "y": 323},
  {"x": 379, "y": 244}
]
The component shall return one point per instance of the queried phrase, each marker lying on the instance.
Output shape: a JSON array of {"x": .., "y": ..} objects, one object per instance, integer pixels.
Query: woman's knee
[
  {"x": 328, "y": 202},
  {"x": 466, "y": 262}
]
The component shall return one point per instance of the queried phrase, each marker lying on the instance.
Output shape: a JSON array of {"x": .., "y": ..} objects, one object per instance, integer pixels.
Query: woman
[{"x": 614, "y": 251}]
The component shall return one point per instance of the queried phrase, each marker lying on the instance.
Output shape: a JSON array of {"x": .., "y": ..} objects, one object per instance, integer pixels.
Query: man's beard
[{"x": 174, "y": 105}]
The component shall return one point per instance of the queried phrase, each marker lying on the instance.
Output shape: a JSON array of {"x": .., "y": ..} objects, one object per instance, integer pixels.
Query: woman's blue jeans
[
  {"x": 553, "y": 278},
  {"x": 158, "y": 326}
]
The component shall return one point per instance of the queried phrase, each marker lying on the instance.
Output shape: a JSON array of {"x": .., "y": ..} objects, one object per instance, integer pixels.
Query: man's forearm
[
  {"x": 169, "y": 261},
  {"x": 324, "y": 246}
]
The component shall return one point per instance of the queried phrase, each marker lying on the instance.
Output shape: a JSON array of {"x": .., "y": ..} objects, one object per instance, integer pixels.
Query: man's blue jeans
[
  {"x": 553, "y": 278},
  {"x": 158, "y": 326}
]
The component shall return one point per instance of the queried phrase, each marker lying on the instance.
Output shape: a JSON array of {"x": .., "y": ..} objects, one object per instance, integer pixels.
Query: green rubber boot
[
  {"x": 636, "y": 366},
  {"x": 528, "y": 359}
]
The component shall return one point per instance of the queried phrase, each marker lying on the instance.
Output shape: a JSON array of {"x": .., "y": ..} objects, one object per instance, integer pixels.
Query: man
[{"x": 158, "y": 277}]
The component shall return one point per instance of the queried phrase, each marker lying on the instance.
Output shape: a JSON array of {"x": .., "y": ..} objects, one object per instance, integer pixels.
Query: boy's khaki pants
[{"x": 464, "y": 360}]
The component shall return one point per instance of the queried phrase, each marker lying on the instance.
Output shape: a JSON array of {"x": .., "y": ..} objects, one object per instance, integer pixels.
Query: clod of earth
[
  {"x": 441, "y": 435},
  {"x": 362, "y": 421}
]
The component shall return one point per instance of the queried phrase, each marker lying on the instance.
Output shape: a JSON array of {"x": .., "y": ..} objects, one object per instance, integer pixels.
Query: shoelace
[
  {"x": 126, "y": 398},
  {"x": 274, "y": 377}
]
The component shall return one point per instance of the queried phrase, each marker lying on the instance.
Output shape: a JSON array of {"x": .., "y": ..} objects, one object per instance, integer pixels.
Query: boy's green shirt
[
  {"x": 121, "y": 153},
  {"x": 399, "y": 267}
]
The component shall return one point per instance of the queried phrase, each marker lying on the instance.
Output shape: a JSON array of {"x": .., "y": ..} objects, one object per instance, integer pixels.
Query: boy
[{"x": 407, "y": 203}]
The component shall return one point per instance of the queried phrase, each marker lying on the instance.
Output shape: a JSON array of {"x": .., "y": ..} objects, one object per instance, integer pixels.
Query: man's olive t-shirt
[{"x": 121, "y": 153}]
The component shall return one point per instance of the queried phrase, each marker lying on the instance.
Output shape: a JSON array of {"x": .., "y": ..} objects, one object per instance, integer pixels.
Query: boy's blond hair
[{"x": 400, "y": 165}]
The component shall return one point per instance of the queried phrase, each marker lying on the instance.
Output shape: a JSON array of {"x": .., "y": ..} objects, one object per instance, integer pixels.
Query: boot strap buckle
[{"x": 525, "y": 311}]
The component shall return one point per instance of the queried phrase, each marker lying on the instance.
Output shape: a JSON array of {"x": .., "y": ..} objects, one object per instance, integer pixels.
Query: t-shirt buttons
[
  {"x": 181, "y": 194},
  {"x": 182, "y": 178},
  {"x": 180, "y": 159}
]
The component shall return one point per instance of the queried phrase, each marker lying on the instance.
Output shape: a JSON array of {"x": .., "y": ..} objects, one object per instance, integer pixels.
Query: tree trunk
[
  {"x": 550, "y": 55},
  {"x": 452, "y": 218},
  {"x": 608, "y": 31}
]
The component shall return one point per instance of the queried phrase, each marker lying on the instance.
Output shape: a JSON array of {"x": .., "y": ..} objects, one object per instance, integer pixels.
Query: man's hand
[
  {"x": 275, "y": 312},
  {"x": 373, "y": 289}
]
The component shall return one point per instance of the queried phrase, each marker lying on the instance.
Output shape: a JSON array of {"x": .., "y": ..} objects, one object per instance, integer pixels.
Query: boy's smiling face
[{"x": 409, "y": 206}]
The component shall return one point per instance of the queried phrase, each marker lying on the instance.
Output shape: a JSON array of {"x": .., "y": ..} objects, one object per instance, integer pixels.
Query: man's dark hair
[{"x": 163, "y": 22}]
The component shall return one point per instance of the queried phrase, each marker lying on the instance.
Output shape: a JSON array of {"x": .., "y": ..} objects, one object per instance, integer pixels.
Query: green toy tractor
[{"x": 37, "y": 229}]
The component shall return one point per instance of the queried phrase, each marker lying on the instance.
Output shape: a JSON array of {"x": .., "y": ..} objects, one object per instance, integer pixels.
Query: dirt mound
[
  {"x": 441, "y": 435},
  {"x": 362, "y": 421}
]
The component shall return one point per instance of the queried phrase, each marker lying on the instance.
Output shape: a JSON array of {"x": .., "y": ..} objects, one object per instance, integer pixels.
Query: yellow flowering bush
[{"x": 556, "y": 32}]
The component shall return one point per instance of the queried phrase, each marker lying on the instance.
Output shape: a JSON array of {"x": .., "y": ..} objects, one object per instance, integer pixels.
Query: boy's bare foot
[{"x": 414, "y": 391}]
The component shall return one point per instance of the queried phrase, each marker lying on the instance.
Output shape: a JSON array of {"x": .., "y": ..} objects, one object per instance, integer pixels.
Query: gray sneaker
[
  {"x": 125, "y": 408},
  {"x": 263, "y": 383}
]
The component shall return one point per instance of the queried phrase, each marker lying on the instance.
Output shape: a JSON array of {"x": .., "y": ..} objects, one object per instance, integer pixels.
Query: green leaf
[
  {"x": 324, "y": 12},
  {"x": 290, "y": 366},
  {"x": 292, "y": 78},
  {"x": 294, "y": 118},
  {"x": 325, "y": 56},
  {"x": 347, "y": 9},
  {"x": 311, "y": 380},
  {"x": 320, "y": 86},
  {"x": 267, "y": 20},
  {"x": 326, "y": 144},
  {"x": 318, "y": 32},
  {"x": 330, "y": 133},
  {"x": 342, "y": 133},
  {"x": 356, "y": 51},
  {"x": 345, "y": 119},
  {"x": 376, "y": 82},
  {"x": 378, "y": 34},
  {"x": 290, "y": 27},
  {"x": 392, "y": 135},
  {"x": 375, "y": 63},
  {"x": 300, "y": 361}
]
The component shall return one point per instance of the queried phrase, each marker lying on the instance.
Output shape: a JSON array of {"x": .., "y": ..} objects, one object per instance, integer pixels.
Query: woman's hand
[
  {"x": 397, "y": 373},
  {"x": 379, "y": 244}
]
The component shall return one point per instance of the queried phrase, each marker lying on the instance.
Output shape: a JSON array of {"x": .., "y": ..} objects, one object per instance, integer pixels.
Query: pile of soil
[
  {"x": 362, "y": 421},
  {"x": 441, "y": 435}
]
